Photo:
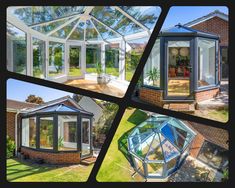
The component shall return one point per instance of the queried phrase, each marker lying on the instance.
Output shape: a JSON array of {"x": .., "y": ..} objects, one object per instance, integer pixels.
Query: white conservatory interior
[{"x": 92, "y": 47}]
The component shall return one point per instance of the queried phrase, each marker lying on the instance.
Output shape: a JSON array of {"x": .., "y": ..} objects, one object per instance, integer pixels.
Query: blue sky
[
  {"x": 184, "y": 14},
  {"x": 19, "y": 90}
]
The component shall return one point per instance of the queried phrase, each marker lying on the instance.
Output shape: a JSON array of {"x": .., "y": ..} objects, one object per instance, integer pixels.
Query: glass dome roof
[
  {"x": 88, "y": 22},
  {"x": 159, "y": 139}
]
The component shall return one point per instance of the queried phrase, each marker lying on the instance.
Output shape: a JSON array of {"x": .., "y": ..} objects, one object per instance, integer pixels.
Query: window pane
[
  {"x": 91, "y": 33},
  {"x": 224, "y": 54},
  {"x": 85, "y": 136},
  {"x": 78, "y": 33},
  {"x": 155, "y": 169},
  {"x": 178, "y": 68},
  {"x": 134, "y": 51},
  {"x": 139, "y": 165},
  {"x": 16, "y": 50},
  {"x": 46, "y": 132},
  {"x": 213, "y": 155},
  {"x": 75, "y": 61},
  {"x": 112, "y": 59},
  {"x": 39, "y": 58},
  {"x": 67, "y": 133},
  {"x": 152, "y": 67},
  {"x": 93, "y": 57},
  {"x": 29, "y": 132},
  {"x": 56, "y": 58},
  {"x": 206, "y": 62}
]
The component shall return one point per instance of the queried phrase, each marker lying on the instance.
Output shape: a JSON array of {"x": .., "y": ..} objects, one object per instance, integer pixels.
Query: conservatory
[
  {"x": 159, "y": 145},
  {"x": 79, "y": 44},
  {"x": 57, "y": 134},
  {"x": 183, "y": 65}
]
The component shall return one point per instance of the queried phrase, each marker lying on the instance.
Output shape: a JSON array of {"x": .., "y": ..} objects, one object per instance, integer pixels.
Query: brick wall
[
  {"x": 11, "y": 124},
  {"x": 152, "y": 96},
  {"x": 217, "y": 26},
  {"x": 196, "y": 145},
  {"x": 53, "y": 158},
  {"x": 205, "y": 95}
]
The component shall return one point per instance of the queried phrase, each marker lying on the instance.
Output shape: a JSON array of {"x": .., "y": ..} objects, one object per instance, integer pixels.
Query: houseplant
[
  {"x": 154, "y": 75},
  {"x": 100, "y": 74}
]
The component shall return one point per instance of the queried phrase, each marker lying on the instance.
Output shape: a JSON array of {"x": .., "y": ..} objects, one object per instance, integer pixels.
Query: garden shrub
[{"x": 10, "y": 147}]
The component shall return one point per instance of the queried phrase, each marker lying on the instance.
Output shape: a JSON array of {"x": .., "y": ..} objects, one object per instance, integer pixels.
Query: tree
[{"x": 34, "y": 99}]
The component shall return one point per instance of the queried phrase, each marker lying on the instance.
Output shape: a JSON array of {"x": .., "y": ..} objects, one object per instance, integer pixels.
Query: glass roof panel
[
  {"x": 155, "y": 151},
  {"x": 169, "y": 150},
  {"x": 78, "y": 33},
  {"x": 64, "y": 32},
  {"x": 91, "y": 33},
  {"x": 142, "y": 149},
  {"x": 115, "y": 19},
  {"x": 50, "y": 26},
  {"x": 39, "y": 14},
  {"x": 146, "y": 15},
  {"x": 104, "y": 31}
]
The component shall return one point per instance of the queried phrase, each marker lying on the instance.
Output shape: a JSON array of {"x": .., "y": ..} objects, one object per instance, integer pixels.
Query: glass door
[
  {"x": 75, "y": 68},
  {"x": 86, "y": 137},
  {"x": 179, "y": 69}
]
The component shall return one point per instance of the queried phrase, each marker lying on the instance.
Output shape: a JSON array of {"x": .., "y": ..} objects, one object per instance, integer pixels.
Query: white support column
[
  {"x": 29, "y": 62},
  {"x": 122, "y": 54},
  {"x": 103, "y": 56},
  {"x": 66, "y": 59},
  {"x": 46, "y": 68},
  {"x": 83, "y": 58}
]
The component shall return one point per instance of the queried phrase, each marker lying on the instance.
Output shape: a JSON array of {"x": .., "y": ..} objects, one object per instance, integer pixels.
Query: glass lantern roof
[
  {"x": 159, "y": 138},
  {"x": 88, "y": 22}
]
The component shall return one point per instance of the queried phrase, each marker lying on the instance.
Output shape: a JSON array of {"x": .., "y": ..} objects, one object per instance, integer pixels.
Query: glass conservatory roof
[
  {"x": 59, "y": 108},
  {"x": 184, "y": 30},
  {"x": 88, "y": 22},
  {"x": 159, "y": 138}
]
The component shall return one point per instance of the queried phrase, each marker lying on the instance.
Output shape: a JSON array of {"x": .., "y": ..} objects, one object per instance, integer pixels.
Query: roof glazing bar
[
  {"x": 52, "y": 21},
  {"x": 96, "y": 29},
  {"x": 63, "y": 25},
  {"x": 73, "y": 30},
  {"x": 132, "y": 19}
]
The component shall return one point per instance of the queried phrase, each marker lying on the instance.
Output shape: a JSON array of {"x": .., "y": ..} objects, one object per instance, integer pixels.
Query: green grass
[
  {"x": 18, "y": 171},
  {"x": 116, "y": 166},
  {"x": 75, "y": 72},
  {"x": 218, "y": 115}
]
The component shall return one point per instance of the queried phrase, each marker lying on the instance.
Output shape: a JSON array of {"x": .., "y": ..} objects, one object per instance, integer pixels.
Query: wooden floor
[
  {"x": 178, "y": 87},
  {"x": 93, "y": 86}
]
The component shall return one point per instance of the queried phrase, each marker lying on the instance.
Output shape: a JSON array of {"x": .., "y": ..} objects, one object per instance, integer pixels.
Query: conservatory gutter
[{"x": 185, "y": 34}]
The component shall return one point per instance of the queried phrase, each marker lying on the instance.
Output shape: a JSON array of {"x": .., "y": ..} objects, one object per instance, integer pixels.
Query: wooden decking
[
  {"x": 181, "y": 107},
  {"x": 88, "y": 161}
]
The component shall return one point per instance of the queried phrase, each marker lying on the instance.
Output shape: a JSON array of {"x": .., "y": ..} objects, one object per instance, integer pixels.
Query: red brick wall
[
  {"x": 217, "y": 26},
  {"x": 196, "y": 145},
  {"x": 205, "y": 95},
  {"x": 53, "y": 158},
  {"x": 152, "y": 96},
  {"x": 11, "y": 125}
]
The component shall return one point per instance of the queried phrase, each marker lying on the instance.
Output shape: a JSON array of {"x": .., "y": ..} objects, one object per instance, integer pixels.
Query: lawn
[
  {"x": 217, "y": 115},
  {"x": 116, "y": 167},
  {"x": 18, "y": 171}
]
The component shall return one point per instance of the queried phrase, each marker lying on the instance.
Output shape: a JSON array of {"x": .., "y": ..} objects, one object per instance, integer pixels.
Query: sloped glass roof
[
  {"x": 184, "y": 30},
  {"x": 60, "y": 108},
  {"x": 159, "y": 138},
  {"x": 88, "y": 22}
]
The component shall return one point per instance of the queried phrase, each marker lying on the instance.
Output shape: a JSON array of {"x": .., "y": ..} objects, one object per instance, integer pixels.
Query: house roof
[
  {"x": 18, "y": 105},
  {"x": 212, "y": 134},
  {"x": 215, "y": 13}
]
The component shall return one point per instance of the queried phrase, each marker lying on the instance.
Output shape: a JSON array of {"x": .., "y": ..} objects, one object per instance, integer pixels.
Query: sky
[
  {"x": 184, "y": 14},
  {"x": 19, "y": 90}
]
